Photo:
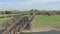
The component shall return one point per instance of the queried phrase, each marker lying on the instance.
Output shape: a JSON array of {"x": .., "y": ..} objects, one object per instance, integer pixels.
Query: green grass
[
  {"x": 2, "y": 20},
  {"x": 47, "y": 20}
]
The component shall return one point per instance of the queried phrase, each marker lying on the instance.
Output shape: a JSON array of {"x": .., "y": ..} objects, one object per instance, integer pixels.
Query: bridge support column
[
  {"x": 18, "y": 29},
  {"x": 14, "y": 31},
  {"x": 28, "y": 27},
  {"x": 9, "y": 32}
]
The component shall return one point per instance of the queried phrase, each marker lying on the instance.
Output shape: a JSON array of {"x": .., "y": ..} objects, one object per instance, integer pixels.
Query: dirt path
[{"x": 43, "y": 28}]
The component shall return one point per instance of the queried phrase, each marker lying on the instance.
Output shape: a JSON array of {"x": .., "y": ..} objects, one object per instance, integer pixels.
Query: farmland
[
  {"x": 45, "y": 20},
  {"x": 2, "y": 20}
]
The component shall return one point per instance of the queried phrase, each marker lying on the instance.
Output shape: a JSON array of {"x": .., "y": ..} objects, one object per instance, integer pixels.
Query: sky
[{"x": 29, "y": 4}]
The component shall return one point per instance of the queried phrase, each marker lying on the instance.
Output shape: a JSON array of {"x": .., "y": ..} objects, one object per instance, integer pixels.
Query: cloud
[
  {"x": 28, "y": 2},
  {"x": 24, "y": 4}
]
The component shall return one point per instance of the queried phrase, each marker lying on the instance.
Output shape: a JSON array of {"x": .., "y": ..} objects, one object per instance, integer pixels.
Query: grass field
[
  {"x": 2, "y": 20},
  {"x": 47, "y": 20}
]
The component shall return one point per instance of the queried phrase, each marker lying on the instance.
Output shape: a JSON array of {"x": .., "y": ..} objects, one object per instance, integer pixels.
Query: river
[{"x": 47, "y": 32}]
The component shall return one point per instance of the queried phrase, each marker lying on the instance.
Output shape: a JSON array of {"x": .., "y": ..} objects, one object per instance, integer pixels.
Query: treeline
[
  {"x": 9, "y": 12},
  {"x": 30, "y": 12},
  {"x": 38, "y": 12}
]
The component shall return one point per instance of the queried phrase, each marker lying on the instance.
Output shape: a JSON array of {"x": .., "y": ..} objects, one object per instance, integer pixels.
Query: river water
[{"x": 47, "y": 32}]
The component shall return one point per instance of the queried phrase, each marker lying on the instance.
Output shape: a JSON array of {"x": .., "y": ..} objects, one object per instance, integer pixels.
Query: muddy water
[{"x": 47, "y": 32}]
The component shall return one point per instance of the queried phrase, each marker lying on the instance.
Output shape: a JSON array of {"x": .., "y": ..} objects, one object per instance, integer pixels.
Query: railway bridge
[{"x": 16, "y": 24}]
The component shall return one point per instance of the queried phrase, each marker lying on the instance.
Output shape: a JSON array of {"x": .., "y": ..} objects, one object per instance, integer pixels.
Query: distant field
[
  {"x": 47, "y": 20},
  {"x": 2, "y": 20}
]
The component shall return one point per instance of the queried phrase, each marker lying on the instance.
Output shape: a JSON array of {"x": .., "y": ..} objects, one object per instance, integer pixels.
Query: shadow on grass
[{"x": 47, "y": 32}]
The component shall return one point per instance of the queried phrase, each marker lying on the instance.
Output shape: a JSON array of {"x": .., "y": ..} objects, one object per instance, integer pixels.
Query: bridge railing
[
  {"x": 19, "y": 24},
  {"x": 12, "y": 26},
  {"x": 5, "y": 25}
]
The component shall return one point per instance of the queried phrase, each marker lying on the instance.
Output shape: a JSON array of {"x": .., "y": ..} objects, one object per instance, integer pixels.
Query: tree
[
  {"x": 31, "y": 13},
  {"x": 48, "y": 14},
  {"x": 7, "y": 12}
]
